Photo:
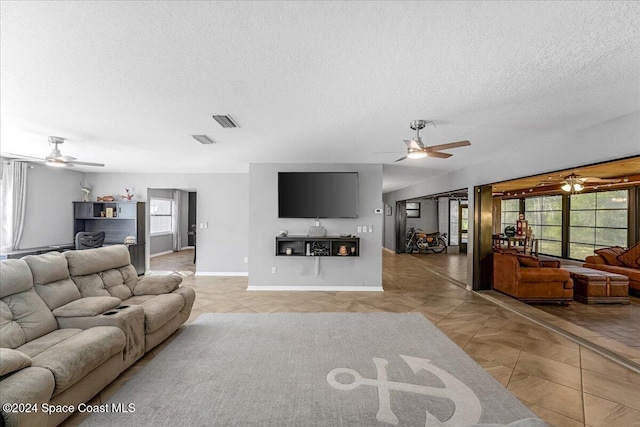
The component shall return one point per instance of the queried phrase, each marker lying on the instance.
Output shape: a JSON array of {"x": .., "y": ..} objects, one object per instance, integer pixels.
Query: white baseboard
[
  {"x": 160, "y": 253},
  {"x": 317, "y": 288},
  {"x": 222, "y": 273},
  {"x": 186, "y": 247}
]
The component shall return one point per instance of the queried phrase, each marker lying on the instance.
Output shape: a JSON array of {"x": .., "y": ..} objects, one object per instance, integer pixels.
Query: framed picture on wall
[{"x": 413, "y": 210}]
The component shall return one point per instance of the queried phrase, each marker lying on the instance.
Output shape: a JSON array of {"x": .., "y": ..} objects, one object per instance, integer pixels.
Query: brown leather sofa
[
  {"x": 542, "y": 281},
  {"x": 598, "y": 262}
]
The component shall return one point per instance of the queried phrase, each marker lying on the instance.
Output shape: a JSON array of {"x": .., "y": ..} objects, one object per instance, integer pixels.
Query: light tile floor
[{"x": 564, "y": 383}]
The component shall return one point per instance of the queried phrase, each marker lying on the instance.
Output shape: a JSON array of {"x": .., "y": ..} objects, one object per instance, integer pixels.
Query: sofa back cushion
[
  {"x": 24, "y": 316},
  {"x": 51, "y": 279},
  {"x": 611, "y": 254},
  {"x": 528, "y": 261},
  {"x": 103, "y": 271}
]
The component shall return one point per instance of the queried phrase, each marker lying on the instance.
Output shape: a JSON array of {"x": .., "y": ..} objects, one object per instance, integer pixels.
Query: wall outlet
[
  {"x": 274, "y": 270},
  {"x": 370, "y": 228},
  {"x": 246, "y": 259}
]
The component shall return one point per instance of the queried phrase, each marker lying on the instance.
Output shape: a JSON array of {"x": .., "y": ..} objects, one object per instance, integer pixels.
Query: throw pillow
[
  {"x": 528, "y": 261},
  {"x": 611, "y": 254},
  {"x": 630, "y": 257}
]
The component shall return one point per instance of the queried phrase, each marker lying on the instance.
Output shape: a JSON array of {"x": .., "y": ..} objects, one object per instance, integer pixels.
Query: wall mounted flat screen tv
[{"x": 318, "y": 194}]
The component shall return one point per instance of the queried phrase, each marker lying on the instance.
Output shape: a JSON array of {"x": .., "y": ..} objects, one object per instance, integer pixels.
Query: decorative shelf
[{"x": 327, "y": 246}]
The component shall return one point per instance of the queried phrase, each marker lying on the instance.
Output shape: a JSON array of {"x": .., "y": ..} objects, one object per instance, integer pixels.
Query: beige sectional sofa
[{"x": 71, "y": 323}]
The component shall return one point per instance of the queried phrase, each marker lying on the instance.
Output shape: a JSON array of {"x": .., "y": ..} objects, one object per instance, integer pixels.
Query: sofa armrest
[
  {"x": 157, "y": 285},
  {"x": 12, "y": 361},
  {"x": 32, "y": 385},
  {"x": 87, "y": 307},
  {"x": 130, "y": 320},
  {"x": 550, "y": 264},
  {"x": 595, "y": 259}
]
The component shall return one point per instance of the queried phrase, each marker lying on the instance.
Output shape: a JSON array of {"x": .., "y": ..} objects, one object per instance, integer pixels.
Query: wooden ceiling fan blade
[
  {"x": 400, "y": 159},
  {"x": 439, "y": 155},
  {"x": 20, "y": 156},
  {"x": 85, "y": 163},
  {"x": 601, "y": 180},
  {"x": 448, "y": 146}
]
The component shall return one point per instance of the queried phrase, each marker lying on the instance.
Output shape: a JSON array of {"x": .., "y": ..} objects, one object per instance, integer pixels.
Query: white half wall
[
  {"x": 264, "y": 225},
  {"x": 223, "y": 204}
]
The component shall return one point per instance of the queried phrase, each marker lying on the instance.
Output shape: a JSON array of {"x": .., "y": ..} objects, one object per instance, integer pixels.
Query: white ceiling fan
[
  {"x": 416, "y": 148},
  {"x": 55, "y": 158}
]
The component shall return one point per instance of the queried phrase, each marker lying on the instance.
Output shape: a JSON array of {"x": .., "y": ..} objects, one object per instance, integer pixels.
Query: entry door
[{"x": 463, "y": 226}]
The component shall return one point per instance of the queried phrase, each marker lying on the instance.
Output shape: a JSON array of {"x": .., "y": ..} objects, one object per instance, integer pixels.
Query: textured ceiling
[{"x": 128, "y": 82}]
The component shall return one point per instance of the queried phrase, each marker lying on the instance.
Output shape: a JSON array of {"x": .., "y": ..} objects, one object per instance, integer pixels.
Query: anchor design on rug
[{"x": 467, "y": 405}]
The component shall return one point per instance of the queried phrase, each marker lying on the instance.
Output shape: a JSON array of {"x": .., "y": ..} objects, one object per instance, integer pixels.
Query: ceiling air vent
[
  {"x": 203, "y": 139},
  {"x": 226, "y": 121}
]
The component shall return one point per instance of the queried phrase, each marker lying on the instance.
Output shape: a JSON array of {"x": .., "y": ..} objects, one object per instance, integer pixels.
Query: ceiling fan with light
[
  {"x": 55, "y": 158},
  {"x": 575, "y": 183},
  {"x": 416, "y": 148}
]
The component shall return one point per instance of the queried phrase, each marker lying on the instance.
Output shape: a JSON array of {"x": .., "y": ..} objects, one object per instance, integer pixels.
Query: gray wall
[
  {"x": 223, "y": 203},
  {"x": 49, "y": 213},
  {"x": 184, "y": 218},
  {"x": 264, "y": 225},
  {"x": 610, "y": 140},
  {"x": 428, "y": 221}
]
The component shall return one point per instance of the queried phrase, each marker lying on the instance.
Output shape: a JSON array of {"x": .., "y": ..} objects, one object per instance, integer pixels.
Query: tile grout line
[
  {"x": 578, "y": 340},
  {"x": 584, "y": 408}
]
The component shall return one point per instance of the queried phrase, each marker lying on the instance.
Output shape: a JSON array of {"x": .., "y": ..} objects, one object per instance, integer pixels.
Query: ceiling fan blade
[
  {"x": 387, "y": 152},
  {"x": 400, "y": 159},
  {"x": 605, "y": 180},
  {"x": 412, "y": 144},
  {"x": 73, "y": 162},
  {"x": 20, "y": 156},
  {"x": 66, "y": 158},
  {"x": 439, "y": 155},
  {"x": 448, "y": 146}
]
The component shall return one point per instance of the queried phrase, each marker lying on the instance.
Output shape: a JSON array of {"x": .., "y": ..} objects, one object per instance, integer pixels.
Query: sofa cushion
[
  {"x": 631, "y": 273},
  {"x": 37, "y": 346},
  {"x": 89, "y": 261},
  {"x": 72, "y": 359},
  {"x": 87, "y": 307},
  {"x": 630, "y": 257},
  {"x": 90, "y": 285},
  {"x": 156, "y": 285},
  {"x": 611, "y": 254},
  {"x": 544, "y": 275},
  {"x": 114, "y": 284},
  {"x": 24, "y": 317},
  {"x": 158, "y": 310},
  {"x": 12, "y": 361},
  {"x": 15, "y": 277},
  {"x": 528, "y": 261},
  {"x": 51, "y": 279}
]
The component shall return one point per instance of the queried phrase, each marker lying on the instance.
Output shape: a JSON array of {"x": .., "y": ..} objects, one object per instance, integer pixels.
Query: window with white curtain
[{"x": 160, "y": 216}]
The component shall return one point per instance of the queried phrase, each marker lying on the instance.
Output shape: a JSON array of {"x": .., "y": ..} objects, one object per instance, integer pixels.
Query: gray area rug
[{"x": 319, "y": 369}]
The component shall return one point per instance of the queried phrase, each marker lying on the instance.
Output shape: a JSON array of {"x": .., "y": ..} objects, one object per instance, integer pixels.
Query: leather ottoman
[{"x": 595, "y": 286}]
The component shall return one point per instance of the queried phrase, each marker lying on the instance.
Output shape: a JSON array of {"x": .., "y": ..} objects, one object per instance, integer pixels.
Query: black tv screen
[{"x": 317, "y": 194}]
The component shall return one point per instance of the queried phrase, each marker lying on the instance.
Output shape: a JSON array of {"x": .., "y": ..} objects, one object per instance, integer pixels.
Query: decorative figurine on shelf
[
  {"x": 127, "y": 196},
  {"x": 105, "y": 199},
  {"x": 86, "y": 190}
]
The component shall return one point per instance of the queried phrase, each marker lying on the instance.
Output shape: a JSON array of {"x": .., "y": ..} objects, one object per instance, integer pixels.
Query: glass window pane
[
  {"x": 612, "y": 218},
  {"x": 611, "y": 237},
  {"x": 511, "y": 205},
  {"x": 550, "y": 232},
  {"x": 612, "y": 199},
  {"x": 160, "y": 224},
  {"x": 582, "y": 235},
  {"x": 582, "y": 218},
  {"x": 583, "y": 201},
  {"x": 580, "y": 251},
  {"x": 550, "y": 248},
  {"x": 551, "y": 217},
  {"x": 160, "y": 207}
]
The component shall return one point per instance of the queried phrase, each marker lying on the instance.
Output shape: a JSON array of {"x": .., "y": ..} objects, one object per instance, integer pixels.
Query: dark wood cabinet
[{"x": 128, "y": 220}]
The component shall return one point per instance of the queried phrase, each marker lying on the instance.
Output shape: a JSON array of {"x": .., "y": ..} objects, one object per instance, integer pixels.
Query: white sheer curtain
[
  {"x": 14, "y": 203},
  {"x": 177, "y": 233}
]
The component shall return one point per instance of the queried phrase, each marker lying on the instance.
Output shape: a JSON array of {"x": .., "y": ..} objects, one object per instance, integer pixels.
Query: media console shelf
[{"x": 318, "y": 246}]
